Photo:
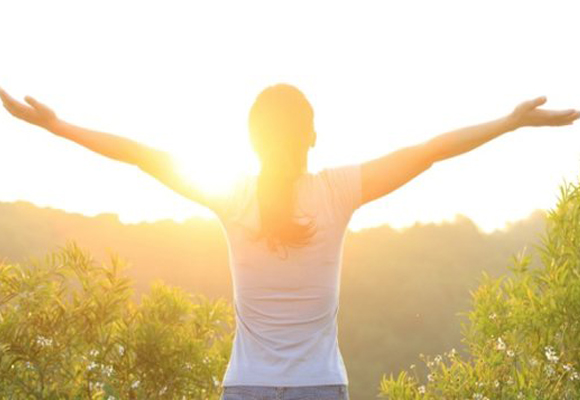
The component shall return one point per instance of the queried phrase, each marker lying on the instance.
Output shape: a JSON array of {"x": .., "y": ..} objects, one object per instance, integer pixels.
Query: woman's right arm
[{"x": 385, "y": 174}]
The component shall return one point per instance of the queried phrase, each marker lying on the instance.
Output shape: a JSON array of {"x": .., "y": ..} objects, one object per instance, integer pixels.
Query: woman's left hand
[{"x": 35, "y": 113}]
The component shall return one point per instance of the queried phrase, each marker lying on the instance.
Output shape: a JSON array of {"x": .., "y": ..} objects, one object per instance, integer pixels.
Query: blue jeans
[{"x": 321, "y": 392}]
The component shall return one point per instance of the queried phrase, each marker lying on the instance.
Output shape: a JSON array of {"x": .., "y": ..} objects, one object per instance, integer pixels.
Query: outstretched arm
[
  {"x": 385, "y": 174},
  {"x": 155, "y": 162}
]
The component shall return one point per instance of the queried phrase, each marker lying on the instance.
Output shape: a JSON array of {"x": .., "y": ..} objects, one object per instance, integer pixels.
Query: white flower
[
  {"x": 496, "y": 383},
  {"x": 551, "y": 354},
  {"x": 108, "y": 369},
  {"x": 96, "y": 385},
  {"x": 216, "y": 381},
  {"x": 121, "y": 349},
  {"x": 510, "y": 353},
  {"x": 575, "y": 376},
  {"x": 135, "y": 384},
  {"x": 492, "y": 316},
  {"x": 94, "y": 353},
  {"x": 549, "y": 370},
  {"x": 422, "y": 389},
  {"x": 92, "y": 366},
  {"x": 567, "y": 367},
  {"x": 452, "y": 353},
  {"x": 431, "y": 377},
  {"x": 163, "y": 390},
  {"x": 111, "y": 398},
  {"x": 500, "y": 344},
  {"x": 477, "y": 396},
  {"x": 42, "y": 341},
  {"x": 438, "y": 359}
]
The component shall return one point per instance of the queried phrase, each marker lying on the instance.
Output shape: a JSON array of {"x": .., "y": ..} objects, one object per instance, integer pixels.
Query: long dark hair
[{"x": 281, "y": 125}]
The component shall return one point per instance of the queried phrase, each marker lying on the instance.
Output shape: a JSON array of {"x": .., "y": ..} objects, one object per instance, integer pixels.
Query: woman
[{"x": 285, "y": 229}]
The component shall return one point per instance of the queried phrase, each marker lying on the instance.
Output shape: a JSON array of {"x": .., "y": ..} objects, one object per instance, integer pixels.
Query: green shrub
[
  {"x": 523, "y": 334},
  {"x": 68, "y": 330}
]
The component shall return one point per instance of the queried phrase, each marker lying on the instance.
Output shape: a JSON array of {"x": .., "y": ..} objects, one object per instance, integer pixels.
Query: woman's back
[{"x": 286, "y": 302}]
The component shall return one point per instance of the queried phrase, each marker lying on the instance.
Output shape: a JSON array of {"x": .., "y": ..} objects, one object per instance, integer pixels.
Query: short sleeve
[
  {"x": 227, "y": 203},
  {"x": 345, "y": 186}
]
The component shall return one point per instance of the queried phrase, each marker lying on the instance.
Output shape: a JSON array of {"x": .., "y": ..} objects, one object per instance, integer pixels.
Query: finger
[
  {"x": 564, "y": 113},
  {"x": 11, "y": 102},
  {"x": 6, "y": 98},
  {"x": 13, "y": 106},
  {"x": 556, "y": 114},
  {"x": 538, "y": 101},
  {"x": 9, "y": 107},
  {"x": 567, "y": 119},
  {"x": 573, "y": 116},
  {"x": 13, "y": 110},
  {"x": 32, "y": 101}
]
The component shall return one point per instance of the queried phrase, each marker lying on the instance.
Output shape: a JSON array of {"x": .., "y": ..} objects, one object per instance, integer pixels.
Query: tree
[
  {"x": 523, "y": 332},
  {"x": 69, "y": 331}
]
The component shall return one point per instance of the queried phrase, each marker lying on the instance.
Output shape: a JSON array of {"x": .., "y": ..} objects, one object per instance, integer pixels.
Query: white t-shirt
[{"x": 286, "y": 305}]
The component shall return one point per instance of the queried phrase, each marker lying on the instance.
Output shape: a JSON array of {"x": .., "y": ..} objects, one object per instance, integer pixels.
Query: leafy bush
[
  {"x": 68, "y": 330},
  {"x": 523, "y": 334}
]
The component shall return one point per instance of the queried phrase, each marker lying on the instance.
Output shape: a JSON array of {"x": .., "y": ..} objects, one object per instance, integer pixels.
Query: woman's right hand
[
  {"x": 527, "y": 114},
  {"x": 35, "y": 113}
]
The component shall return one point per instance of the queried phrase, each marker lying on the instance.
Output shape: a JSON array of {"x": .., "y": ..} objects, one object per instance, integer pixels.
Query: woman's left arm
[
  {"x": 108, "y": 145},
  {"x": 157, "y": 163}
]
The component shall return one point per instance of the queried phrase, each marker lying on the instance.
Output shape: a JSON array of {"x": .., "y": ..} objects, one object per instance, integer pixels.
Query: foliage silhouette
[
  {"x": 522, "y": 332},
  {"x": 401, "y": 289},
  {"x": 69, "y": 330}
]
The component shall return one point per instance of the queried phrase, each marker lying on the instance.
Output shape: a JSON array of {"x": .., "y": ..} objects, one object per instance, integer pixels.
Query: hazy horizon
[{"x": 509, "y": 224}]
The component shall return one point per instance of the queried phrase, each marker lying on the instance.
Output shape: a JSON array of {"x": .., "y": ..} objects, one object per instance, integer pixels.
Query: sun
[{"x": 214, "y": 173}]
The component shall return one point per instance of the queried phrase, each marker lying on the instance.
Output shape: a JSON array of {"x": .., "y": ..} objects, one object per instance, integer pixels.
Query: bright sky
[{"x": 182, "y": 76}]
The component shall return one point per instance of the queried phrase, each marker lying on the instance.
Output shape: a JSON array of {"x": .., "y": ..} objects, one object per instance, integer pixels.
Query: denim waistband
[{"x": 337, "y": 391}]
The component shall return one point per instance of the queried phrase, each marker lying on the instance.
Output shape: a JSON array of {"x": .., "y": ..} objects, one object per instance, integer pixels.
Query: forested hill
[{"x": 400, "y": 293}]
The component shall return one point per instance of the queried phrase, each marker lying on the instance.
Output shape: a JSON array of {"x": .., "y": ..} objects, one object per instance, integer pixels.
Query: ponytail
[{"x": 280, "y": 120}]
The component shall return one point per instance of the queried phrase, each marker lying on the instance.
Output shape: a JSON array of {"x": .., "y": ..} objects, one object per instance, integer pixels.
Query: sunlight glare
[{"x": 211, "y": 175}]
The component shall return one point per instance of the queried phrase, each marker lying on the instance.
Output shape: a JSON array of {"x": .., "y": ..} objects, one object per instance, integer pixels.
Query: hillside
[{"x": 400, "y": 293}]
